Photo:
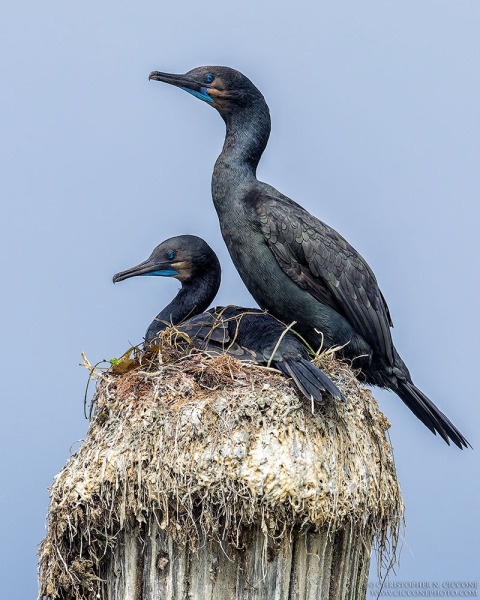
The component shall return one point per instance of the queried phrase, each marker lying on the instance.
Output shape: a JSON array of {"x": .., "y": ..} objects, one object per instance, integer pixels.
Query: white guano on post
[{"x": 204, "y": 479}]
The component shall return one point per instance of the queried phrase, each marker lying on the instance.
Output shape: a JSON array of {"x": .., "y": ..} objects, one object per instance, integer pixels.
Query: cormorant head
[
  {"x": 185, "y": 257},
  {"x": 224, "y": 88}
]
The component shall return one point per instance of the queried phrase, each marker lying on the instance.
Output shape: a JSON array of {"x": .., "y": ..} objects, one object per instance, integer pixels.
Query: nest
[{"x": 210, "y": 447}]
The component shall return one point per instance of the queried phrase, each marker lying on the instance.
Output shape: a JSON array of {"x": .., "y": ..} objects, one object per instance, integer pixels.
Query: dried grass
[{"x": 209, "y": 447}]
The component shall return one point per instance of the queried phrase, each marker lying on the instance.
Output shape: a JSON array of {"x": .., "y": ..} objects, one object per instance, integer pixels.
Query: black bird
[
  {"x": 294, "y": 265},
  {"x": 246, "y": 333}
]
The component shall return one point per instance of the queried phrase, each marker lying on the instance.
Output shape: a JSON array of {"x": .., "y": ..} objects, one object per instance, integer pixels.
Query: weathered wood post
[{"x": 207, "y": 480}]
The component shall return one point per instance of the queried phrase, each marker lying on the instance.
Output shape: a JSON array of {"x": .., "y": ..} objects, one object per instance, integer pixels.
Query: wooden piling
[{"x": 204, "y": 479}]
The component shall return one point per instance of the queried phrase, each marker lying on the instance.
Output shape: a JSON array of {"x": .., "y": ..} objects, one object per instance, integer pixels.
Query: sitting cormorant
[
  {"x": 294, "y": 265},
  {"x": 247, "y": 334}
]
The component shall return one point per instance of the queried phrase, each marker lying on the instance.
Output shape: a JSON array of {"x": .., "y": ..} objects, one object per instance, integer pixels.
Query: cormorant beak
[
  {"x": 184, "y": 82},
  {"x": 148, "y": 267}
]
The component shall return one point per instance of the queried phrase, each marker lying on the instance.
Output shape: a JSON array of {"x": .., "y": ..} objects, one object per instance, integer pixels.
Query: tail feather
[
  {"x": 309, "y": 379},
  {"x": 431, "y": 416}
]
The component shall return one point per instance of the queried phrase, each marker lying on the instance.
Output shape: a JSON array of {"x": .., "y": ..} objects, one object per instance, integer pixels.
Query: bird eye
[
  {"x": 208, "y": 78},
  {"x": 170, "y": 254}
]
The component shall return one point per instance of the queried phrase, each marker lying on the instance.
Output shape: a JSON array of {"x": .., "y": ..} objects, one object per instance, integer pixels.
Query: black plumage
[
  {"x": 294, "y": 265},
  {"x": 247, "y": 334}
]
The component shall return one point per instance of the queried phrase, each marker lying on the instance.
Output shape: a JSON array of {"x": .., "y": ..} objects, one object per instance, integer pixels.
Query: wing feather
[
  {"x": 320, "y": 260},
  {"x": 215, "y": 332}
]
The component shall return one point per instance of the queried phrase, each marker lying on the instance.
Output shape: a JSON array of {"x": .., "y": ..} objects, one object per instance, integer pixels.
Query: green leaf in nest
[{"x": 126, "y": 362}]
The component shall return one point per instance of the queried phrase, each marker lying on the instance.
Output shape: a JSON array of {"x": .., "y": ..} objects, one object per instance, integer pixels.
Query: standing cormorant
[
  {"x": 245, "y": 333},
  {"x": 293, "y": 264}
]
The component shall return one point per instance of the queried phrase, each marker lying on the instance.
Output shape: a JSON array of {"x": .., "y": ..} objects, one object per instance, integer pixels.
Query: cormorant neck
[
  {"x": 248, "y": 130},
  {"x": 194, "y": 297}
]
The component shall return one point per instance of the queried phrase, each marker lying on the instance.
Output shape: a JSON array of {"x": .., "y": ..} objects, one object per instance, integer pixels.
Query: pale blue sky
[{"x": 376, "y": 129}]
